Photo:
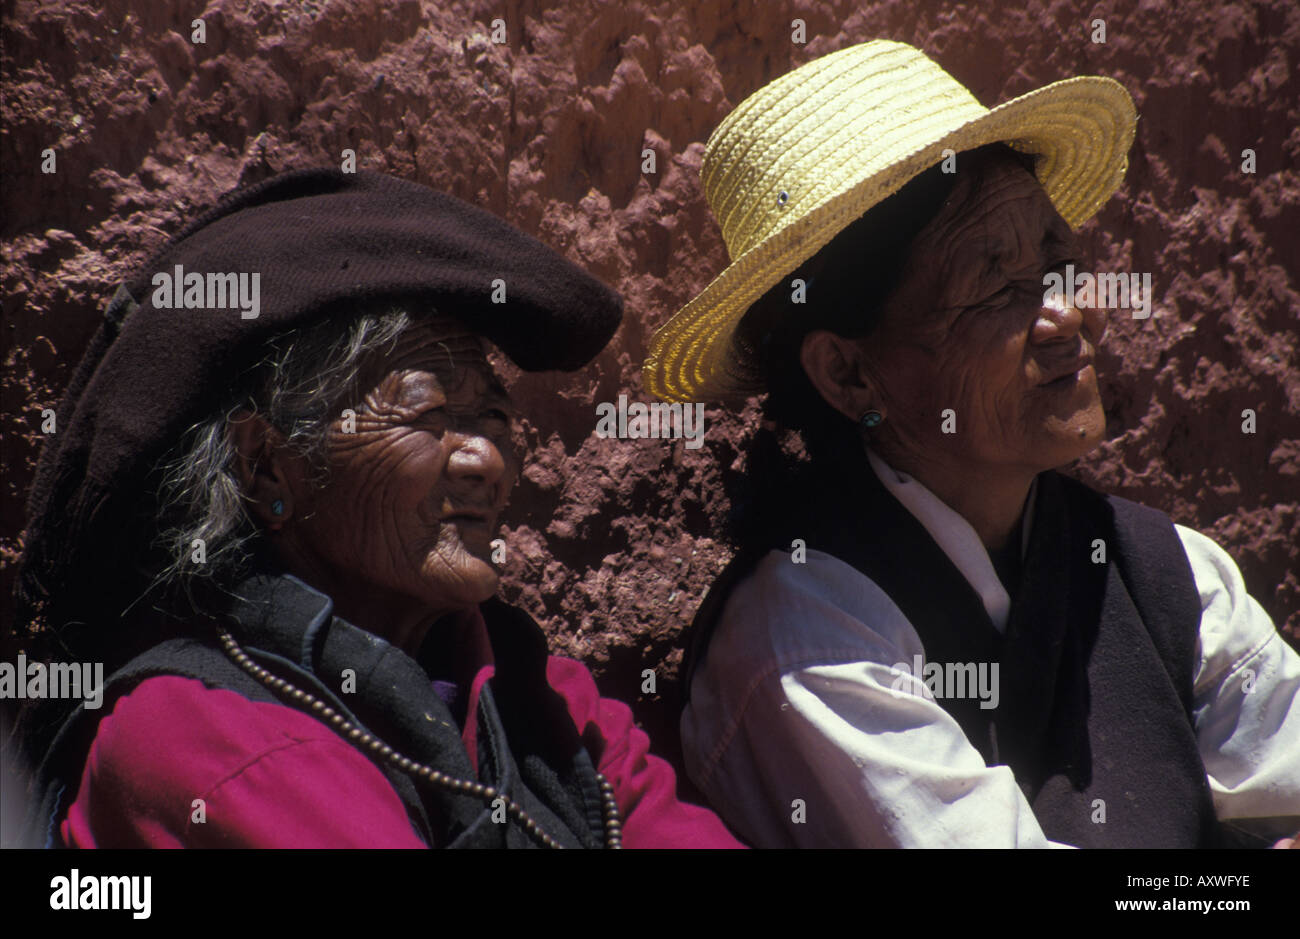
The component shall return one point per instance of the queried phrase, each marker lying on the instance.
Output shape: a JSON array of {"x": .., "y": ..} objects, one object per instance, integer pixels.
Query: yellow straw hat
[{"x": 805, "y": 156}]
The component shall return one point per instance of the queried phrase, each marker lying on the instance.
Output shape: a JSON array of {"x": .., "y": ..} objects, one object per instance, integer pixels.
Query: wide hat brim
[{"x": 1080, "y": 130}]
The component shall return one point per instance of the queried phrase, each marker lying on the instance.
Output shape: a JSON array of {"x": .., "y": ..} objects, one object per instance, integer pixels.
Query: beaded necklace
[{"x": 368, "y": 742}]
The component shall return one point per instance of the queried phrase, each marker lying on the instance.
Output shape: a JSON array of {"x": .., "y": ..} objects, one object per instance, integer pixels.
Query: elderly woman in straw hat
[
  {"x": 272, "y": 511},
  {"x": 929, "y": 637}
]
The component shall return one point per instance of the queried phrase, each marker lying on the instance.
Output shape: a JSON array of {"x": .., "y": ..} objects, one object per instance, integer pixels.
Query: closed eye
[
  {"x": 436, "y": 417},
  {"x": 1028, "y": 288},
  {"x": 1059, "y": 266},
  {"x": 1000, "y": 297}
]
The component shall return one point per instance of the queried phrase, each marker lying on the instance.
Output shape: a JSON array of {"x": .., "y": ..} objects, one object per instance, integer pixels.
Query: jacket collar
[
  {"x": 527, "y": 743},
  {"x": 292, "y": 624}
]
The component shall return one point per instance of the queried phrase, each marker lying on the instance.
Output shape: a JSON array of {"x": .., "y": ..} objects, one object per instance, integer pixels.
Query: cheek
[
  {"x": 989, "y": 357},
  {"x": 981, "y": 378},
  {"x": 976, "y": 375},
  {"x": 416, "y": 468},
  {"x": 391, "y": 472},
  {"x": 514, "y": 465}
]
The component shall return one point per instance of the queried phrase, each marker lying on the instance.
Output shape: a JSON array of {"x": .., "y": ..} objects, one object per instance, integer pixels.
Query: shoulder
[
  {"x": 1151, "y": 560},
  {"x": 574, "y": 682},
  {"x": 173, "y": 710},
  {"x": 172, "y": 740},
  {"x": 792, "y": 611},
  {"x": 172, "y": 733},
  {"x": 1226, "y": 605},
  {"x": 1217, "y": 576},
  {"x": 782, "y": 620},
  {"x": 1234, "y": 627},
  {"x": 1127, "y": 515},
  {"x": 1142, "y": 529}
]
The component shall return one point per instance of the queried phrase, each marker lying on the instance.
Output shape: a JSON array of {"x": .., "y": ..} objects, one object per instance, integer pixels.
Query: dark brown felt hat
[{"x": 324, "y": 243}]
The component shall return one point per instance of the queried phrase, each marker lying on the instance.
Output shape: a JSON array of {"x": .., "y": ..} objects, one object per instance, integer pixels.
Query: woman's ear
[
  {"x": 836, "y": 367},
  {"x": 262, "y": 467}
]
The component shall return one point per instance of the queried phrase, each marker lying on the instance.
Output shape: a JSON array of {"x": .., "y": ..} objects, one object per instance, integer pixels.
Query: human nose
[
  {"x": 1094, "y": 324},
  {"x": 1059, "y": 319},
  {"x": 475, "y": 460}
]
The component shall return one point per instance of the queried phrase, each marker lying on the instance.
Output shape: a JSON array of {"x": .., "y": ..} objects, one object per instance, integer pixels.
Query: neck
[
  {"x": 396, "y": 618},
  {"x": 990, "y": 498},
  {"x": 402, "y": 624},
  {"x": 450, "y": 644}
]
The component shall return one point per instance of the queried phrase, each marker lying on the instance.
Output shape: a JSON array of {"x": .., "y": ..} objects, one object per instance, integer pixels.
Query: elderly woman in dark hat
[
  {"x": 929, "y": 637},
  {"x": 271, "y": 508}
]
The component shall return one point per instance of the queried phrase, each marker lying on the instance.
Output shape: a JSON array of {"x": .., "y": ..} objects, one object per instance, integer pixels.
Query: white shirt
[{"x": 799, "y": 735}]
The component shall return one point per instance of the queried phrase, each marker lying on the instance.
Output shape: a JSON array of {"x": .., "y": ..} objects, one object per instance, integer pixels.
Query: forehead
[
  {"x": 998, "y": 223},
  {"x": 443, "y": 348},
  {"x": 991, "y": 213}
]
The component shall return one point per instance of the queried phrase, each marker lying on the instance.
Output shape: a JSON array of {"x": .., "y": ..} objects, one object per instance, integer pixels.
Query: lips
[
  {"x": 1067, "y": 370},
  {"x": 466, "y": 517}
]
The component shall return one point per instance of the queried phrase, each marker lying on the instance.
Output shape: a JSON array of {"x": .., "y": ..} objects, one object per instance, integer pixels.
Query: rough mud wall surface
[{"x": 613, "y": 543}]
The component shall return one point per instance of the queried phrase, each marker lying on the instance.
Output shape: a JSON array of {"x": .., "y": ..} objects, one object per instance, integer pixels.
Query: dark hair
[{"x": 847, "y": 285}]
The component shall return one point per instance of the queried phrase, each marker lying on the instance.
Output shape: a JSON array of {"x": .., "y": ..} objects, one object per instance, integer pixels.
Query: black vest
[
  {"x": 1096, "y": 663},
  {"x": 528, "y": 747}
]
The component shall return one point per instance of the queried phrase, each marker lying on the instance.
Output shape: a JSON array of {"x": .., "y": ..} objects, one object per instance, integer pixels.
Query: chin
[
  {"x": 1075, "y": 438},
  {"x": 481, "y": 581},
  {"x": 467, "y": 582}
]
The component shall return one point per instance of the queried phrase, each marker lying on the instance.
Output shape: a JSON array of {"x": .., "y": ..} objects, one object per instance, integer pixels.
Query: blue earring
[
  {"x": 277, "y": 507},
  {"x": 872, "y": 419}
]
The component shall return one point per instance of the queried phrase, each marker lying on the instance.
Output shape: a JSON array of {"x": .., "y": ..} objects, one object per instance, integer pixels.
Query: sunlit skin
[
  {"x": 400, "y": 533},
  {"x": 968, "y": 330}
]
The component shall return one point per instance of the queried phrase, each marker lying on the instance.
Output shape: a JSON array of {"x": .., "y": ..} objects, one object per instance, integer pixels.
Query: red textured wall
[{"x": 614, "y": 542}]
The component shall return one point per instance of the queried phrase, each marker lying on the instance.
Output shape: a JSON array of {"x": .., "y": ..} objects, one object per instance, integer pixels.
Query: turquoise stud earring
[{"x": 872, "y": 419}]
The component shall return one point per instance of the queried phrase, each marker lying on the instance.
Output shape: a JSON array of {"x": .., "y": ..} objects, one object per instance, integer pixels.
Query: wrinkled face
[
  {"x": 969, "y": 331},
  {"x": 413, "y": 495}
]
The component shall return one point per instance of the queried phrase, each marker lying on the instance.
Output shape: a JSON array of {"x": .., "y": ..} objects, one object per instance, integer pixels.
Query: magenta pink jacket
[{"x": 269, "y": 776}]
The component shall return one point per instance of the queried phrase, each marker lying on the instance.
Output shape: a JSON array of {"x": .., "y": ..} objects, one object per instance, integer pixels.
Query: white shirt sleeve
[
  {"x": 807, "y": 737},
  {"x": 1246, "y": 699}
]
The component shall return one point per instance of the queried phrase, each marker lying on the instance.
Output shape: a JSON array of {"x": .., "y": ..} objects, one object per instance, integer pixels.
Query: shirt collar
[{"x": 955, "y": 536}]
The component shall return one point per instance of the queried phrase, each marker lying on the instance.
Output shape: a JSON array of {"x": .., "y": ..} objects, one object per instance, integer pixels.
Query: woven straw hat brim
[{"x": 1080, "y": 130}]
